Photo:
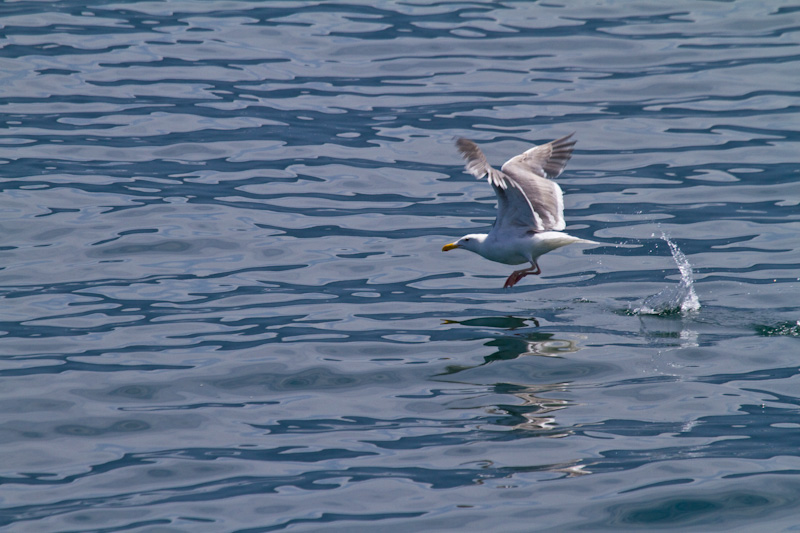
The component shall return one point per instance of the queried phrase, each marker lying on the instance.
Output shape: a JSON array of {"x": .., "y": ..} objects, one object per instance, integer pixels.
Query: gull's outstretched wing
[
  {"x": 545, "y": 161},
  {"x": 533, "y": 172},
  {"x": 526, "y": 198}
]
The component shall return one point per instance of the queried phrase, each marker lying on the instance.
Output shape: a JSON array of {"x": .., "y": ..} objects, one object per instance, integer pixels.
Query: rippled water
[{"x": 224, "y": 302}]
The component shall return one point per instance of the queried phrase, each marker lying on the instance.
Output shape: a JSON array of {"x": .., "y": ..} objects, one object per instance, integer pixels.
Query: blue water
[{"x": 225, "y": 308}]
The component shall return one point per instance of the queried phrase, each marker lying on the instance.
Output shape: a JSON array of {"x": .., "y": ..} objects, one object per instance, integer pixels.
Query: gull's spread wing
[{"x": 526, "y": 198}]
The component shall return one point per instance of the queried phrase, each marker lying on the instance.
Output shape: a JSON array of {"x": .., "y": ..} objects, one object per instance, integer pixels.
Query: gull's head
[{"x": 471, "y": 242}]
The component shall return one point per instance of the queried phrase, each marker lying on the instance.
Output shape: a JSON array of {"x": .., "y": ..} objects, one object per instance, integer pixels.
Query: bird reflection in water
[
  {"x": 526, "y": 404},
  {"x": 518, "y": 344},
  {"x": 532, "y": 412}
]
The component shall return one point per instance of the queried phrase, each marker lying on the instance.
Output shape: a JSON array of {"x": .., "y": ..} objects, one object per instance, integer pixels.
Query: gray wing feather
[
  {"x": 526, "y": 198},
  {"x": 513, "y": 208},
  {"x": 533, "y": 172},
  {"x": 545, "y": 161}
]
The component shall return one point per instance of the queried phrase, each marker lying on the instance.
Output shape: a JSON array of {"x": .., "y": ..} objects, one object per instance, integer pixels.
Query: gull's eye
[{"x": 465, "y": 240}]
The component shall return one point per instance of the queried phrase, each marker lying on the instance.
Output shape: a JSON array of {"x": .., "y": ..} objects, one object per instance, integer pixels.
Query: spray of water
[{"x": 675, "y": 299}]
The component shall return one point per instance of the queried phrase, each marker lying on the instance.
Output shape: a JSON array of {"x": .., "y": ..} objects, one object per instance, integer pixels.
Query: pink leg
[{"x": 519, "y": 274}]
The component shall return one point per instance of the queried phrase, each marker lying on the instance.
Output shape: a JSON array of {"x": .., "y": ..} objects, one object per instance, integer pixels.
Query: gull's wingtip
[
  {"x": 476, "y": 161},
  {"x": 566, "y": 140},
  {"x": 464, "y": 144}
]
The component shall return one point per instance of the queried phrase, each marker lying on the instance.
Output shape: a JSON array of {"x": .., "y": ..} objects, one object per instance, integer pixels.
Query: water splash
[{"x": 675, "y": 299}]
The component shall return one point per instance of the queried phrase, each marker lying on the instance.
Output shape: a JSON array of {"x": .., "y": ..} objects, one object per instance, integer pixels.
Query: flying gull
[{"x": 530, "y": 206}]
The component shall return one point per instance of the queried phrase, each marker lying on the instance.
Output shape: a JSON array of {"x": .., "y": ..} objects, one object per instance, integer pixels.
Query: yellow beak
[{"x": 451, "y": 246}]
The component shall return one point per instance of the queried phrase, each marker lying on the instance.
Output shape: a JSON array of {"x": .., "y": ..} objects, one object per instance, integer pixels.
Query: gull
[{"x": 530, "y": 206}]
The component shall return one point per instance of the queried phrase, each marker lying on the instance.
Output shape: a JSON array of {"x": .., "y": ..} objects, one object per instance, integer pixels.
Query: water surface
[{"x": 224, "y": 302}]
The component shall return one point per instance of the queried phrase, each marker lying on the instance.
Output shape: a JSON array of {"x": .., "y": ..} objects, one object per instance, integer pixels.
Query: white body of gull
[{"x": 530, "y": 206}]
